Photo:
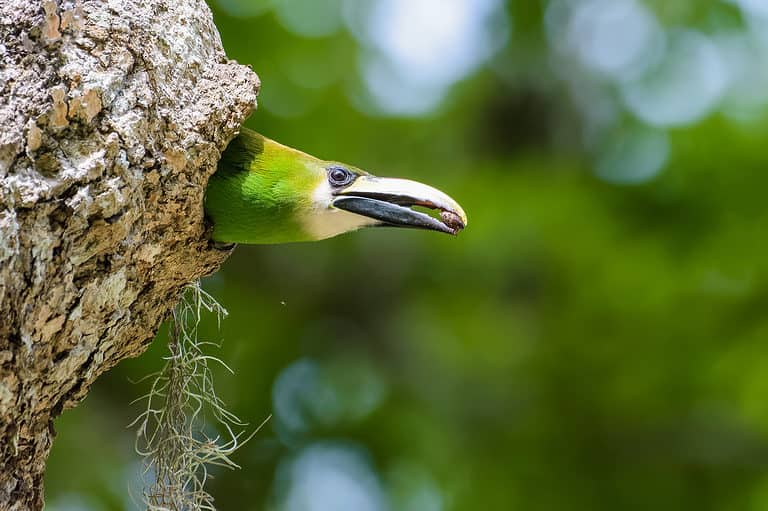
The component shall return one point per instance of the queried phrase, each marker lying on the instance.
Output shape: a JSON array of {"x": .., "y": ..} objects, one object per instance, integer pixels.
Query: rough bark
[{"x": 113, "y": 114}]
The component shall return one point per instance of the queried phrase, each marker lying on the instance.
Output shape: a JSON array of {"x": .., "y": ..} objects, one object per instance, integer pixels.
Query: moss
[{"x": 185, "y": 427}]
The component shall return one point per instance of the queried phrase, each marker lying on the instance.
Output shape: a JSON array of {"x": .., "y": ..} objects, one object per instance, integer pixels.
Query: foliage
[{"x": 591, "y": 341}]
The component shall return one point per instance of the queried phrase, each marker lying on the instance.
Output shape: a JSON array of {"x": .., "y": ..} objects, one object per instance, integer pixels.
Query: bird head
[{"x": 265, "y": 192}]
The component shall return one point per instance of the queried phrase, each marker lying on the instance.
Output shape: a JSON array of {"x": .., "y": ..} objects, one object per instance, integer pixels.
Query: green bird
[{"x": 265, "y": 192}]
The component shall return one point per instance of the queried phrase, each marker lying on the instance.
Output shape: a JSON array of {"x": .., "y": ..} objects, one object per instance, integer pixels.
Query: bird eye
[{"x": 339, "y": 176}]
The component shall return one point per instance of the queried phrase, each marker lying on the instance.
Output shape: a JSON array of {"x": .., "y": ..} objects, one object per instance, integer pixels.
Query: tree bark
[{"x": 113, "y": 114}]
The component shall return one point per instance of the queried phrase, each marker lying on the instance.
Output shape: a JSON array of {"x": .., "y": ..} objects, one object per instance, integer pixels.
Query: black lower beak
[{"x": 390, "y": 214}]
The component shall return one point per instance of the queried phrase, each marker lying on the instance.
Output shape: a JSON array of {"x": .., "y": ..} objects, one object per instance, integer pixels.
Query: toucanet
[{"x": 265, "y": 192}]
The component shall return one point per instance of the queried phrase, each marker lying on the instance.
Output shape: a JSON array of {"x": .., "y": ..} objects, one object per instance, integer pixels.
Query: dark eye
[{"x": 339, "y": 176}]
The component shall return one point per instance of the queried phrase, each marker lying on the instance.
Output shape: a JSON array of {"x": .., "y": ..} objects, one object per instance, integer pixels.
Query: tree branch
[{"x": 113, "y": 115}]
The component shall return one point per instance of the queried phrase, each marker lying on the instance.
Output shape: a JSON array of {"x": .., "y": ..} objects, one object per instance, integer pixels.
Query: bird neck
[{"x": 258, "y": 191}]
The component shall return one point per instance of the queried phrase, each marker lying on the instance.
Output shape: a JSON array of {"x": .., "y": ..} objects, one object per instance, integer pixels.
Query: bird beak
[{"x": 390, "y": 200}]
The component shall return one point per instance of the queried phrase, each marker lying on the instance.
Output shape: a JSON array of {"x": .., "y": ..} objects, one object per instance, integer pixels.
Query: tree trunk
[{"x": 113, "y": 114}]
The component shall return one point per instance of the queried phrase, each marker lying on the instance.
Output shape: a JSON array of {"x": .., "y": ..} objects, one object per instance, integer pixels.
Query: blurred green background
[{"x": 596, "y": 338}]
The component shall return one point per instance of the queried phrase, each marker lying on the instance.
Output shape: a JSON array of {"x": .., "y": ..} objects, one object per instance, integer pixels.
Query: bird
[{"x": 264, "y": 192}]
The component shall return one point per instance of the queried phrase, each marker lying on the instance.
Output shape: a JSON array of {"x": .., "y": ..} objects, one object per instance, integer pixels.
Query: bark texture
[{"x": 113, "y": 114}]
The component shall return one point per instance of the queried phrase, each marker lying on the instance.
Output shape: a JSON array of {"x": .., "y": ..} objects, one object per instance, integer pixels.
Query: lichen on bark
[{"x": 113, "y": 115}]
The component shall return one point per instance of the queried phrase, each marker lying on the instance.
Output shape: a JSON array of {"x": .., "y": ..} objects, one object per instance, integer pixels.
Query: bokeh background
[{"x": 596, "y": 339}]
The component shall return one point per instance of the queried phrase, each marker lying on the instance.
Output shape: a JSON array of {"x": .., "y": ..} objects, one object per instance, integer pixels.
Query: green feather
[{"x": 259, "y": 190}]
